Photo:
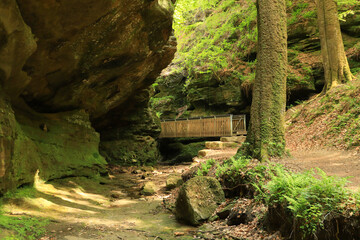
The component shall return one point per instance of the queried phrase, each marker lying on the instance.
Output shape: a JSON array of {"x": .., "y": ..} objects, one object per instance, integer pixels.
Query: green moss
[
  {"x": 67, "y": 147},
  {"x": 21, "y": 228}
]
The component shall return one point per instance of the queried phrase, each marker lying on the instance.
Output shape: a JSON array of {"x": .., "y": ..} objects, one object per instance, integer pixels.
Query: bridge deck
[{"x": 214, "y": 126}]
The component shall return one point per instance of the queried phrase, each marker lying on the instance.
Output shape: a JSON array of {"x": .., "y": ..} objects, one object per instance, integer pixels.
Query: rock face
[
  {"x": 71, "y": 69},
  {"x": 198, "y": 199},
  {"x": 214, "y": 68},
  {"x": 56, "y": 144}
]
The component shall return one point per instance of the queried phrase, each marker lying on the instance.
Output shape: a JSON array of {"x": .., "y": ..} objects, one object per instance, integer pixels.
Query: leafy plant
[
  {"x": 310, "y": 196},
  {"x": 205, "y": 167}
]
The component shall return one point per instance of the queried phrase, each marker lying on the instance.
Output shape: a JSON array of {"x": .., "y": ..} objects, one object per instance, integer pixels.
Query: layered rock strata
[{"x": 70, "y": 70}]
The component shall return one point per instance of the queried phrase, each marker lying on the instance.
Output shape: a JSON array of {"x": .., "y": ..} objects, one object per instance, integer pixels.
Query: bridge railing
[{"x": 214, "y": 126}]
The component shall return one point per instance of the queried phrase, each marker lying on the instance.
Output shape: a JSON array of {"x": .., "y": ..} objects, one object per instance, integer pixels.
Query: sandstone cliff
[{"x": 72, "y": 71}]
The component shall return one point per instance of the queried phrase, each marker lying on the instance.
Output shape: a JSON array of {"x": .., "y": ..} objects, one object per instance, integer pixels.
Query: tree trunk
[
  {"x": 335, "y": 63},
  {"x": 267, "y": 123}
]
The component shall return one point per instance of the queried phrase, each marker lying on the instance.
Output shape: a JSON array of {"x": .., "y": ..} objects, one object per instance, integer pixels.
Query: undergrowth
[
  {"x": 21, "y": 227},
  {"x": 309, "y": 196},
  {"x": 205, "y": 167}
]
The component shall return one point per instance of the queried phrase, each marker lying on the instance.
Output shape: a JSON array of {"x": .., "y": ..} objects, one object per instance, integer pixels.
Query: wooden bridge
[{"x": 214, "y": 126}]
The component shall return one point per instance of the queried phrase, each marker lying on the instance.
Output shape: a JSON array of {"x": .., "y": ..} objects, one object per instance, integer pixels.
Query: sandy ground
[
  {"x": 79, "y": 209},
  {"x": 333, "y": 162}
]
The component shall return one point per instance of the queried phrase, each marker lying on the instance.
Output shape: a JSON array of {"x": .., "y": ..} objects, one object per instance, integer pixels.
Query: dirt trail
[
  {"x": 81, "y": 209},
  {"x": 333, "y": 162}
]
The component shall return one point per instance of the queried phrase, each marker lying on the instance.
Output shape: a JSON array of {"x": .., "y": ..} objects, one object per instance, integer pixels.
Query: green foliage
[
  {"x": 205, "y": 167},
  {"x": 184, "y": 8},
  {"x": 158, "y": 103},
  {"x": 346, "y": 8},
  {"x": 309, "y": 196},
  {"x": 347, "y": 3},
  {"x": 232, "y": 166},
  {"x": 206, "y": 45},
  {"x": 238, "y": 170},
  {"x": 343, "y": 15},
  {"x": 297, "y": 10}
]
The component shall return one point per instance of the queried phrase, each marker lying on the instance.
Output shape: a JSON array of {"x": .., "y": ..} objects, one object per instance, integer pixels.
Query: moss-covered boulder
[{"x": 198, "y": 198}]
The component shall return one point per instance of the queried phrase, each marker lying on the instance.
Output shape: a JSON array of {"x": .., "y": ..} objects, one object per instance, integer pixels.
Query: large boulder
[
  {"x": 72, "y": 74},
  {"x": 198, "y": 199}
]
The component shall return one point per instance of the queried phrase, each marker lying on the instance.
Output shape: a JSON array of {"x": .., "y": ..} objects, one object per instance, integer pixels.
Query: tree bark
[
  {"x": 267, "y": 124},
  {"x": 336, "y": 66}
]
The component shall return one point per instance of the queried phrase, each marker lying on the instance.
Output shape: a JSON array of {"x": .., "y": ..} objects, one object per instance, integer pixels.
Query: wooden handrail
[{"x": 211, "y": 126}]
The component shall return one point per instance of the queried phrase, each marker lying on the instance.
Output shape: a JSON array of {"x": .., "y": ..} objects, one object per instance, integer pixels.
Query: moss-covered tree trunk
[
  {"x": 335, "y": 63},
  {"x": 266, "y": 132}
]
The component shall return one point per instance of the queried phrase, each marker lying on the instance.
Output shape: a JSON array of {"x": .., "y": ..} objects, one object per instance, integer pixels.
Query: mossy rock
[
  {"x": 177, "y": 152},
  {"x": 203, "y": 153},
  {"x": 149, "y": 189},
  {"x": 173, "y": 181},
  {"x": 198, "y": 199}
]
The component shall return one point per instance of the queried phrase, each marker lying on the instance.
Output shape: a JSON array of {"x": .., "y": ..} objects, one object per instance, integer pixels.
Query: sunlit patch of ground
[{"x": 80, "y": 208}]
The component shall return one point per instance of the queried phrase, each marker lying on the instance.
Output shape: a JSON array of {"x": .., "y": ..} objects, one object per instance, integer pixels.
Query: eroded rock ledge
[{"x": 71, "y": 70}]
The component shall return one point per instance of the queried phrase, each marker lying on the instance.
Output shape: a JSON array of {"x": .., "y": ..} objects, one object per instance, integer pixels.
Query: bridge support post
[{"x": 231, "y": 124}]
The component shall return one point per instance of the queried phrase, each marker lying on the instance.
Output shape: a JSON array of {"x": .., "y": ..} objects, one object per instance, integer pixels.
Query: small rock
[
  {"x": 115, "y": 195},
  {"x": 123, "y": 170},
  {"x": 237, "y": 139},
  {"x": 203, "y": 153},
  {"x": 214, "y": 145},
  {"x": 136, "y": 171},
  {"x": 173, "y": 181},
  {"x": 240, "y": 215},
  {"x": 225, "y": 212},
  {"x": 149, "y": 189},
  {"x": 179, "y": 233},
  {"x": 147, "y": 168}
]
